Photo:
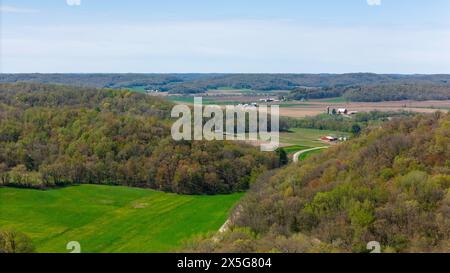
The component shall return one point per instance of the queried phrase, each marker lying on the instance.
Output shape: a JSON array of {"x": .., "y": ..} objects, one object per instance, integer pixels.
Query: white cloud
[
  {"x": 12, "y": 9},
  {"x": 374, "y": 2},
  {"x": 73, "y": 2}
]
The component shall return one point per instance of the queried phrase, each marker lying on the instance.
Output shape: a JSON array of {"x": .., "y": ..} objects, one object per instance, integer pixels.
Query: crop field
[
  {"x": 316, "y": 107},
  {"x": 307, "y": 137},
  {"x": 111, "y": 219},
  {"x": 298, "y": 109},
  {"x": 180, "y": 100}
]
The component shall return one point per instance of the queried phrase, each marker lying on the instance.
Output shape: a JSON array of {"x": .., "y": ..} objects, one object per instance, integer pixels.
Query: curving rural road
[
  {"x": 297, "y": 154},
  {"x": 226, "y": 226}
]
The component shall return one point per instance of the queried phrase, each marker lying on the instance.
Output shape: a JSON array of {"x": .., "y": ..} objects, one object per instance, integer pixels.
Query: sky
[{"x": 228, "y": 36}]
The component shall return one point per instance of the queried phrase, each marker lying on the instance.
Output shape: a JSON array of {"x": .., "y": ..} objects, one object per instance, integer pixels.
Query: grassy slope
[
  {"x": 310, "y": 153},
  {"x": 290, "y": 150},
  {"x": 111, "y": 219}
]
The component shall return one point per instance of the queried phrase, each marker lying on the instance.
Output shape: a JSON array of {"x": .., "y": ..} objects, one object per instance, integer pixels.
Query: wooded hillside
[
  {"x": 323, "y": 85},
  {"x": 376, "y": 92},
  {"x": 391, "y": 185},
  {"x": 54, "y": 135}
]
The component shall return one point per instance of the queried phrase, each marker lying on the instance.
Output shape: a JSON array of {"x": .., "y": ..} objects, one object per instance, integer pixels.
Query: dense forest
[
  {"x": 390, "y": 185},
  {"x": 53, "y": 135},
  {"x": 307, "y": 93},
  {"x": 395, "y": 92},
  {"x": 376, "y": 92},
  {"x": 323, "y": 85}
]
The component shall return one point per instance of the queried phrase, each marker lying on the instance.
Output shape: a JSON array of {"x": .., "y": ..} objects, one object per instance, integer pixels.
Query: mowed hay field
[{"x": 111, "y": 219}]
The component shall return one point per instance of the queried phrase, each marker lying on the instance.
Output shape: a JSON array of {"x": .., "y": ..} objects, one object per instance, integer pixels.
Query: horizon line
[{"x": 229, "y": 73}]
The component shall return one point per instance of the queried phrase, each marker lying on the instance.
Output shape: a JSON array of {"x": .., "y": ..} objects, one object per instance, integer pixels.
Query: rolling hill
[{"x": 324, "y": 85}]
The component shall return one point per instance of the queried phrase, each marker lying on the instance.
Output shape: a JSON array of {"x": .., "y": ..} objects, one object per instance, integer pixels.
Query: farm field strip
[
  {"x": 297, "y": 109},
  {"x": 309, "y": 138}
]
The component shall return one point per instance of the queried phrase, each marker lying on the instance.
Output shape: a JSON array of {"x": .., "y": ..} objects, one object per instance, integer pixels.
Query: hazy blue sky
[{"x": 335, "y": 36}]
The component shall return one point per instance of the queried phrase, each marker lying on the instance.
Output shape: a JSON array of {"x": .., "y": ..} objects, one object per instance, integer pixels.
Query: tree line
[
  {"x": 396, "y": 91},
  {"x": 324, "y": 85}
]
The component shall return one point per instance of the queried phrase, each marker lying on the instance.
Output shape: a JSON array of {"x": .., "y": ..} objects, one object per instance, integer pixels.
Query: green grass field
[
  {"x": 111, "y": 219},
  {"x": 294, "y": 148},
  {"x": 205, "y": 101},
  {"x": 333, "y": 100},
  {"x": 310, "y": 153},
  {"x": 177, "y": 99},
  {"x": 307, "y": 137}
]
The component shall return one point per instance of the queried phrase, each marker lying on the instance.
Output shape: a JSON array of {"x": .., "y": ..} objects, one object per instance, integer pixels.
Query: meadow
[
  {"x": 290, "y": 150},
  {"x": 307, "y": 137},
  {"x": 111, "y": 219},
  {"x": 308, "y": 154}
]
